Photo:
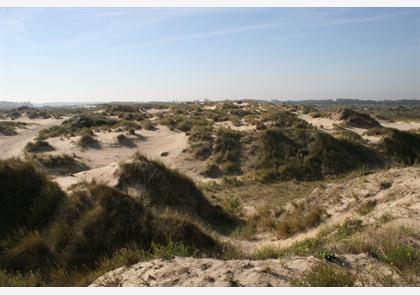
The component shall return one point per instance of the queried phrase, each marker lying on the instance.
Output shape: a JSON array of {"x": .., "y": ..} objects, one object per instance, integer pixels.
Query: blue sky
[{"x": 91, "y": 54}]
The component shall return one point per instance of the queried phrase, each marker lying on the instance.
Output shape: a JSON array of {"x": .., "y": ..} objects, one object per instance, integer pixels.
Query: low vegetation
[
  {"x": 64, "y": 164},
  {"x": 326, "y": 275},
  {"x": 8, "y": 128},
  {"x": 38, "y": 146},
  {"x": 164, "y": 188},
  {"x": 78, "y": 124},
  {"x": 54, "y": 237},
  {"x": 260, "y": 163}
]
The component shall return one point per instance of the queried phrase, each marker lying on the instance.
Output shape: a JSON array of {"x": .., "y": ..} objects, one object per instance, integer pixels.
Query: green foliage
[
  {"x": 87, "y": 140},
  {"x": 326, "y": 275},
  {"x": 148, "y": 124},
  {"x": 268, "y": 252},
  {"x": 166, "y": 188},
  {"x": 356, "y": 119},
  {"x": 58, "y": 237},
  {"x": 17, "y": 279},
  {"x": 227, "y": 150},
  {"x": 383, "y": 185},
  {"x": 28, "y": 199},
  {"x": 402, "y": 147},
  {"x": 8, "y": 128},
  {"x": 77, "y": 124},
  {"x": 349, "y": 227},
  {"x": 310, "y": 155},
  {"x": 366, "y": 207},
  {"x": 201, "y": 141},
  {"x": 389, "y": 244},
  {"x": 59, "y": 164},
  {"x": 233, "y": 206},
  {"x": 38, "y": 146},
  {"x": 300, "y": 219},
  {"x": 285, "y": 119}
]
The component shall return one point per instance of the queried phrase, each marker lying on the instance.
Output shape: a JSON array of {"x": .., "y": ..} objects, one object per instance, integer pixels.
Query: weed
[{"x": 326, "y": 275}]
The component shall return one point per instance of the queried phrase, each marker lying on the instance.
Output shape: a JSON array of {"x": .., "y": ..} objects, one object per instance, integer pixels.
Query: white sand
[
  {"x": 13, "y": 146},
  {"x": 403, "y": 126}
]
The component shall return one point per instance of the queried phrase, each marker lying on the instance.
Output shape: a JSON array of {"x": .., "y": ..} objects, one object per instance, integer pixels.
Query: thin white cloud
[
  {"x": 121, "y": 23},
  {"x": 365, "y": 19},
  {"x": 201, "y": 35}
]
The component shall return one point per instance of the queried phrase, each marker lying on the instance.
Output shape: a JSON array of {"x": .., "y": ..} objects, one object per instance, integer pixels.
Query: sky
[{"x": 141, "y": 54}]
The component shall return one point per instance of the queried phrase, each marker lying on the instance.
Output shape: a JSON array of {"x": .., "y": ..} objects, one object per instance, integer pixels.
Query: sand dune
[{"x": 13, "y": 146}]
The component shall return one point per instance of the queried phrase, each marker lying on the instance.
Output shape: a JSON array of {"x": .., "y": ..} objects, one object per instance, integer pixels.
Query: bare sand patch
[
  {"x": 401, "y": 200},
  {"x": 326, "y": 124},
  {"x": 13, "y": 146},
  {"x": 401, "y": 125},
  {"x": 103, "y": 160},
  {"x": 229, "y": 124}
]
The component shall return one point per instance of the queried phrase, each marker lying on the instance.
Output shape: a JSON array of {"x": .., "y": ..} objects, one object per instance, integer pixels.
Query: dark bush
[
  {"x": 28, "y": 199},
  {"x": 162, "y": 187}
]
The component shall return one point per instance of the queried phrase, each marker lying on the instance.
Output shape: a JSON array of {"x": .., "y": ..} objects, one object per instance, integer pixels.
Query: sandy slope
[
  {"x": 396, "y": 192},
  {"x": 205, "y": 272},
  {"x": 403, "y": 126},
  {"x": 325, "y": 124},
  {"x": 13, "y": 146},
  {"x": 229, "y": 124},
  {"x": 104, "y": 160},
  {"x": 401, "y": 201}
]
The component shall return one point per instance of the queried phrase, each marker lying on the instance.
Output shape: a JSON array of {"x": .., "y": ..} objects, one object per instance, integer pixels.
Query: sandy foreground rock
[{"x": 205, "y": 272}]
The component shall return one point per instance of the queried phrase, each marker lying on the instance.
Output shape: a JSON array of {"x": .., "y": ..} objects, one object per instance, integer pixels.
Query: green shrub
[
  {"x": 16, "y": 279},
  {"x": 389, "y": 244},
  {"x": 77, "y": 125},
  {"x": 268, "y": 252},
  {"x": 28, "y": 199},
  {"x": 233, "y": 205},
  {"x": 38, "y": 146},
  {"x": 162, "y": 187},
  {"x": 310, "y": 155},
  {"x": 402, "y": 147},
  {"x": 326, "y": 275},
  {"x": 349, "y": 227},
  {"x": 8, "y": 128},
  {"x": 356, "y": 119},
  {"x": 299, "y": 220},
  {"x": 31, "y": 253},
  {"x": 148, "y": 125},
  {"x": 367, "y": 207},
  {"x": 383, "y": 185},
  {"x": 227, "y": 150},
  {"x": 88, "y": 141}
]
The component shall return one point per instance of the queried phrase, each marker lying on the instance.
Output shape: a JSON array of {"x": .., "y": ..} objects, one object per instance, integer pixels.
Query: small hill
[
  {"x": 307, "y": 154},
  {"x": 43, "y": 230},
  {"x": 370, "y": 238},
  {"x": 400, "y": 146},
  {"x": 352, "y": 118},
  {"x": 163, "y": 188}
]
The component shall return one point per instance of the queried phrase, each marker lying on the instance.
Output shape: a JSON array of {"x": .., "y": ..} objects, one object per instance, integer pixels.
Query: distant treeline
[
  {"x": 353, "y": 103},
  {"x": 7, "y": 105}
]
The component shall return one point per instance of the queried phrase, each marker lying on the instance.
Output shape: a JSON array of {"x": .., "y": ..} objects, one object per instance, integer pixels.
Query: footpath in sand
[{"x": 13, "y": 146}]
